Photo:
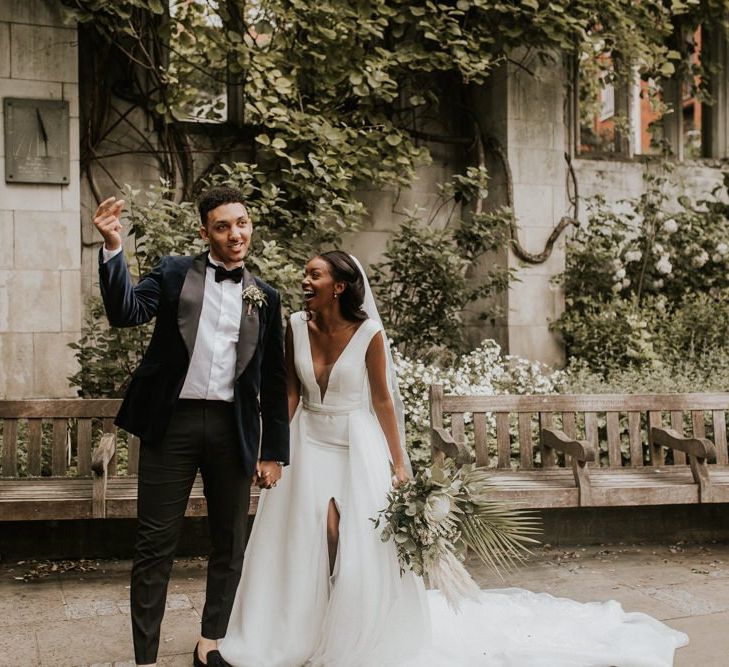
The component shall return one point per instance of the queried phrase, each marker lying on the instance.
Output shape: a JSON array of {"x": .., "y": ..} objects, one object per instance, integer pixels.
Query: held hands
[
  {"x": 399, "y": 475},
  {"x": 267, "y": 474},
  {"x": 107, "y": 221}
]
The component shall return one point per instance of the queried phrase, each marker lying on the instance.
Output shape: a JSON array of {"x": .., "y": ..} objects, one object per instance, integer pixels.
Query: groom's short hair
[{"x": 218, "y": 196}]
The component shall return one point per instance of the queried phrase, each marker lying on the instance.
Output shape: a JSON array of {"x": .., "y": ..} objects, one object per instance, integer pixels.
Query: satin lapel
[
  {"x": 248, "y": 335},
  {"x": 191, "y": 301}
]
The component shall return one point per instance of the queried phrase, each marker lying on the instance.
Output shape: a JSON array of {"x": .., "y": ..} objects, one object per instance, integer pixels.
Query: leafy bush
[
  {"x": 646, "y": 287},
  {"x": 426, "y": 281}
]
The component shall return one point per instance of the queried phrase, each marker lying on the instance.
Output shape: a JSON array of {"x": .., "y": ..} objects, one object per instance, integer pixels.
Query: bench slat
[
  {"x": 698, "y": 424},
  {"x": 503, "y": 441},
  {"x": 719, "y": 421},
  {"x": 657, "y": 455},
  {"x": 636, "y": 445},
  {"x": 66, "y": 408},
  {"x": 60, "y": 443},
  {"x": 83, "y": 447},
  {"x": 615, "y": 458},
  {"x": 547, "y": 453},
  {"x": 569, "y": 424},
  {"x": 585, "y": 402},
  {"x": 35, "y": 439},
  {"x": 526, "y": 445},
  {"x": 10, "y": 448},
  {"x": 108, "y": 427},
  {"x": 132, "y": 455},
  {"x": 679, "y": 457},
  {"x": 591, "y": 431}
]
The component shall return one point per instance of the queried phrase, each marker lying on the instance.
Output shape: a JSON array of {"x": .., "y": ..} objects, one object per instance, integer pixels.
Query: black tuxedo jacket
[{"x": 173, "y": 293}]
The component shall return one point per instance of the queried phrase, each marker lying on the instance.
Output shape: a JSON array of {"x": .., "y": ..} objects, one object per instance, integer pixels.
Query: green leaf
[
  {"x": 532, "y": 4},
  {"x": 263, "y": 139}
]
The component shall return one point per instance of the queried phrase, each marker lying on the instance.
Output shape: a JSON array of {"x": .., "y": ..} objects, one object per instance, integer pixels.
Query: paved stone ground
[{"x": 64, "y": 614}]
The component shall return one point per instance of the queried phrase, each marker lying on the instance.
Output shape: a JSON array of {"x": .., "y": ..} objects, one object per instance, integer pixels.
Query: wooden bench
[
  {"x": 49, "y": 468},
  {"x": 589, "y": 450}
]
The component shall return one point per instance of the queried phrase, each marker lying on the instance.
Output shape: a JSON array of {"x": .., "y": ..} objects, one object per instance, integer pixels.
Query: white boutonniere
[{"x": 254, "y": 296}]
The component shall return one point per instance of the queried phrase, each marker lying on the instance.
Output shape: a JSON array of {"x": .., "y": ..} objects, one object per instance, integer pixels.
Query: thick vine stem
[{"x": 495, "y": 146}]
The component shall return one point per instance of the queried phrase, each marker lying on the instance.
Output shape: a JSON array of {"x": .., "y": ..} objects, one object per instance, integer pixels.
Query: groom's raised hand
[{"x": 107, "y": 221}]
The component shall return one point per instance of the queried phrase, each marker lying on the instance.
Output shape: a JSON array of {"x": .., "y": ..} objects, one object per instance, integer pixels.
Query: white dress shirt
[{"x": 211, "y": 373}]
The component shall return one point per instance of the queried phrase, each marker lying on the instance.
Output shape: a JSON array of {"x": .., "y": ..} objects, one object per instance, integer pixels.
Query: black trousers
[{"x": 201, "y": 436}]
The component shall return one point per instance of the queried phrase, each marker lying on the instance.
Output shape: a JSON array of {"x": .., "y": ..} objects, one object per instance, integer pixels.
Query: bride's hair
[{"x": 344, "y": 270}]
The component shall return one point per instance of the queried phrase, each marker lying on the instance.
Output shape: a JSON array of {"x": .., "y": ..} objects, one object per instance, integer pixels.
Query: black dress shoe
[
  {"x": 216, "y": 660},
  {"x": 196, "y": 659}
]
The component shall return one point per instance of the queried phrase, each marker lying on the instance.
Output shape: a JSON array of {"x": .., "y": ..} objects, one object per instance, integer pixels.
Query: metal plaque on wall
[{"x": 36, "y": 141}]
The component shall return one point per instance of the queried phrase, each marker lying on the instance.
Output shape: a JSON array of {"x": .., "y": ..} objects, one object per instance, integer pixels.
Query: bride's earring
[{"x": 336, "y": 296}]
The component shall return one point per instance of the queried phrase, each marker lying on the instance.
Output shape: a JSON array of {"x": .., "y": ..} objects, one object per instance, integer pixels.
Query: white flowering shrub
[
  {"x": 483, "y": 372},
  {"x": 632, "y": 267}
]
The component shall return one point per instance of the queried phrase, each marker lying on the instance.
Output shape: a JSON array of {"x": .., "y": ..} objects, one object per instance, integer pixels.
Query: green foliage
[
  {"x": 647, "y": 281},
  {"x": 425, "y": 281}
]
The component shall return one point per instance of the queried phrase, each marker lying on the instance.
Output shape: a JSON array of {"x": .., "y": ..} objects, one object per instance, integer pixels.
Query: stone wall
[{"x": 40, "y": 244}]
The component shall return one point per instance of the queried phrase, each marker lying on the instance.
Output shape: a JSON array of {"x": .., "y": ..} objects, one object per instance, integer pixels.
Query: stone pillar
[
  {"x": 715, "y": 116},
  {"x": 524, "y": 112},
  {"x": 40, "y": 245}
]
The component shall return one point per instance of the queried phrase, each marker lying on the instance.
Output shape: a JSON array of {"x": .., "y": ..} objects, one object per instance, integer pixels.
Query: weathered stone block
[
  {"x": 71, "y": 193},
  {"x": 4, "y": 301},
  {"x": 4, "y": 50},
  {"x": 70, "y": 93},
  {"x": 28, "y": 196},
  {"x": 44, "y": 53},
  {"x": 45, "y": 90},
  {"x": 533, "y": 205},
  {"x": 534, "y": 300},
  {"x": 537, "y": 166},
  {"x": 53, "y": 363},
  {"x": 532, "y": 133},
  {"x": 536, "y": 343},
  {"x": 6, "y": 239},
  {"x": 37, "y": 12},
  {"x": 47, "y": 240},
  {"x": 367, "y": 247},
  {"x": 34, "y": 301},
  {"x": 16, "y": 362},
  {"x": 71, "y": 308}
]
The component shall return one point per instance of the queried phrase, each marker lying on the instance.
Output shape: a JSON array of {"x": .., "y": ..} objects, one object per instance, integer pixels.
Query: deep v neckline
[{"x": 325, "y": 391}]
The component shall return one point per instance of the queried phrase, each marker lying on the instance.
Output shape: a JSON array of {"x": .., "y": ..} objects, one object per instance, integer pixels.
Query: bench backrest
[
  {"x": 505, "y": 431},
  {"x": 56, "y": 437}
]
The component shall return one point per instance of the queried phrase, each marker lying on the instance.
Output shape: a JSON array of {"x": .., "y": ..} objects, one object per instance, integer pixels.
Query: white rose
[
  {"x": 699, "y": 260},
  {"x": 670, "y": 226},
  {"x": 722, "y": 248},
  {"x": 657, "y": 284},
  {"x": 633, "y": 256},
  {"x": 663, "y": 265},
  {"x": 626, "y": 283},
  {"x": 620, "y": 274}
]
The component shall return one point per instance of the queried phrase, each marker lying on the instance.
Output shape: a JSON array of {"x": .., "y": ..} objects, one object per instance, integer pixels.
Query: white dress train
[{"x": 288, "y": 611}]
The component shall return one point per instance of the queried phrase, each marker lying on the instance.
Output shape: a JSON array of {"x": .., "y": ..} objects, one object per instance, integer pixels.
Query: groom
[{"x": 217, "y": 348}]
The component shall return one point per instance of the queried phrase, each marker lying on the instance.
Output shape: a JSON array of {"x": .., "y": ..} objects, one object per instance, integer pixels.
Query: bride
[{"x": 319, "y": 588}]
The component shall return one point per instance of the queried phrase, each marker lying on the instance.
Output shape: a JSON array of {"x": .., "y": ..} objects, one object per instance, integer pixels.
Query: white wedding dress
[{"x": 289, "y": 612}]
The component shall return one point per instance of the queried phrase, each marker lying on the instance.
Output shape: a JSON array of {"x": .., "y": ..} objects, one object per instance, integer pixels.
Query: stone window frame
[{"x": 715, "y": 117}]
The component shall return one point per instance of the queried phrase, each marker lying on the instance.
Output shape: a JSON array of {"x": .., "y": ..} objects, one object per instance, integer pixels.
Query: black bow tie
[{"x": 221, "y": 273}]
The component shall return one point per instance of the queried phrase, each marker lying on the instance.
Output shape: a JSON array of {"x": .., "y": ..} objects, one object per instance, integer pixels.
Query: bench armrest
[
  {"x": 698, "y": 447},
  {"x": 103, "y": 454},
  {"x": 559, "y": 440},
  {"x": 443, "y": 441}
]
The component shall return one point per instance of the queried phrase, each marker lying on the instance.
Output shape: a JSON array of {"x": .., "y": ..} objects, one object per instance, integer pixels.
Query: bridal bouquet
[{"x": 435, "y": 516}]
